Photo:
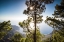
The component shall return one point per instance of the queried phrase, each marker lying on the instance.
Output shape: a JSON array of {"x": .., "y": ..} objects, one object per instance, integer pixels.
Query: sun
[{"x": 31, "y": 8}]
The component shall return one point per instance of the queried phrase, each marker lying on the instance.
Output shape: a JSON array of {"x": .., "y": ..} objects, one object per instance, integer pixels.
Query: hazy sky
[{"x": 13, "y": 10}]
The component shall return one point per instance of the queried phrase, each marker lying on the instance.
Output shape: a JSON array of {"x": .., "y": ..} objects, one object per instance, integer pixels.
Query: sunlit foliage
[
  {"x": 5, "y": 27},
  {"x": 16, "y": 38},
  {"x": 57, "y": 22}
]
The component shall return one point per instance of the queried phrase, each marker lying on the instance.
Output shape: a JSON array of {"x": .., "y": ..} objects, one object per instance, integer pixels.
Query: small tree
[
  {"x": 5, "y": 27},
  {"x": 16, "y": 38}
]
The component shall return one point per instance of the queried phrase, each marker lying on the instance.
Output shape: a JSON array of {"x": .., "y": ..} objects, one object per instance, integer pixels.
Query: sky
[{"x": 13, "y": 10}]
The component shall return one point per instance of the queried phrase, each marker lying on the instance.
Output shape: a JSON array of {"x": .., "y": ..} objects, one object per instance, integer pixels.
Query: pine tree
[
  {"x": 5, "y": 27},
  {"x": 35, "y": 9},
  {"x": 16, "y": 38},
  {"x": 57, "y": 23},
  {"x": 59, "y": 12}
]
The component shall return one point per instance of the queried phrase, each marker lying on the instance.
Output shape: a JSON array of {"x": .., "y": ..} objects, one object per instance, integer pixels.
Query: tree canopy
[
  {"x": 57, "y": 22},
  {"x": 5, "y": 27}
]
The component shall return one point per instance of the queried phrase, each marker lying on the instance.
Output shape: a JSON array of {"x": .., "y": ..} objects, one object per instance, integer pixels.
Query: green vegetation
[
  {"x": 5, "y": 27},
  {"x": 16, "y": 38},
  {"x": 57, "y": 23},
  {"x": 30, "y": 32}
]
